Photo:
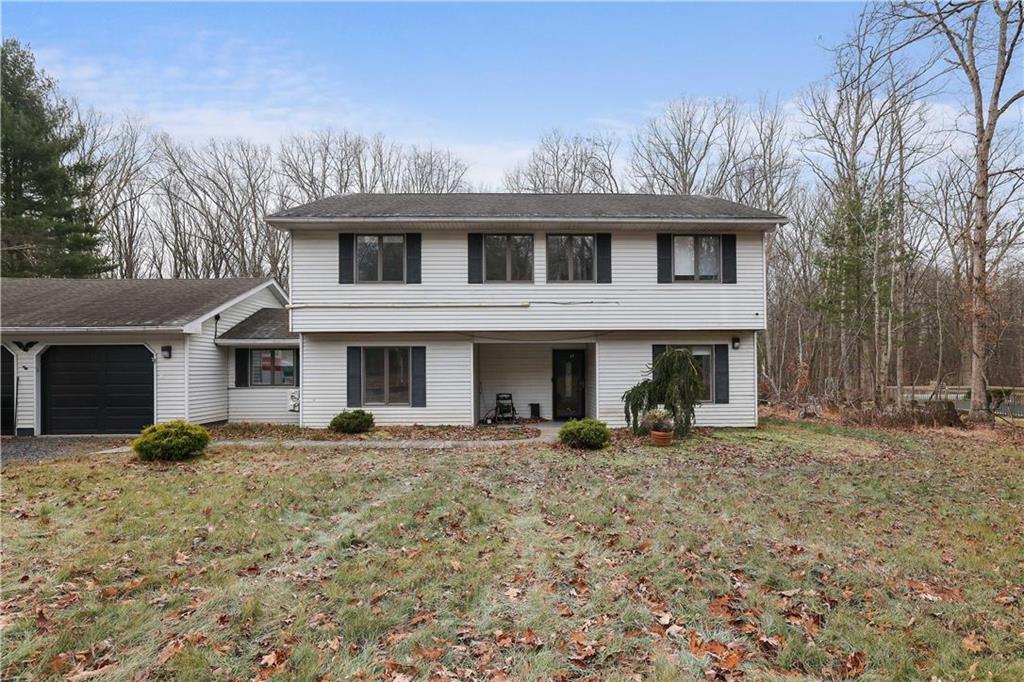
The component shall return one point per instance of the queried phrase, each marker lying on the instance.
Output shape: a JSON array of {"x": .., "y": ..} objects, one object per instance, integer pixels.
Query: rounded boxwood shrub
[
  {"x": 584, "y": 433},
  {"x": 352, "y": 421},
  {"x": 171, "y": 441}
]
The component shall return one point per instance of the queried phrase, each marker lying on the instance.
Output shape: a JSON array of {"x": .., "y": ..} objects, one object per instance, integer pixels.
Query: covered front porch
[{"x": 558, "y": 375}]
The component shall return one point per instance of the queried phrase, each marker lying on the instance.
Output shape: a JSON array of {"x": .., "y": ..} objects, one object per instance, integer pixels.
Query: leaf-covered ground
[
  {"x": 794, "y": 550},
  {"x": 260, "y": 431}
]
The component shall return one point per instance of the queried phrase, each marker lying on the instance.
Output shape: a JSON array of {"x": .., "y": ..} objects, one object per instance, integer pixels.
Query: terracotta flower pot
[{"x": 661, "y": 438}]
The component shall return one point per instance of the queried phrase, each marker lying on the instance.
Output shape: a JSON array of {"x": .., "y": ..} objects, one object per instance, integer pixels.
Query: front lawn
[{"x": 794, "y": 549}]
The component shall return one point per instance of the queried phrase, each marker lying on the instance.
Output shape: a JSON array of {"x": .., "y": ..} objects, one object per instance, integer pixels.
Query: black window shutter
[
  {"x": 346, "y": 258},
  {"x": 475, "y": 243},
  {"x": 413, "y": 258},
  {"x": 296, "y": 356},
  {"x": 603, "y": 242},
  {"x": 721, "y": 373},
  {"x": 656, "y": 350},
  {"x": 354, "y": 373},
  {"x": 729, "y": 259},
  {"x": 664, "y": 258},
  {"x": 241, "y": 368},
  {"x": 419, "y": 376}
]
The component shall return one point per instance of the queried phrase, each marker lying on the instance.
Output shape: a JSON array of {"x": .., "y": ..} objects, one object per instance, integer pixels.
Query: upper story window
[
  {"x": 272, "y": 367},
  {"x": 571, "y": 258},
  {"x": 697, "y": 258},
  {"x": 508, "y": 258},
  {"x": 380, "y": 258}
]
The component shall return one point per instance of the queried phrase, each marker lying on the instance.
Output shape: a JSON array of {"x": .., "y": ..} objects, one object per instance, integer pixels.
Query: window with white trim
[
  {"x": 272, "y": 367},
  {"x": 508, "y": 258},
  {"x": 704, "y": 357},
  {"x": 697, "y": 258},
  {"x": 387, "y": 376},
  {"x": 380, "y": 258},
  {"x": 571, "y": 258}
]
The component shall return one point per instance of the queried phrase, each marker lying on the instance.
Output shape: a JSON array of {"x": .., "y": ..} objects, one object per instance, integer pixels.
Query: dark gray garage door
[
  {"x": 97, "y": 389},
  {"x": 6, "y": 392}
]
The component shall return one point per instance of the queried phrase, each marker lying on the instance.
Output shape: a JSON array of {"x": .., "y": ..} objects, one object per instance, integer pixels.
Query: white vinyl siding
[
  {"x": 169, "y": 380},
  {"x": 623, "y": 358},
  {"x": 445, "y": 301},
  {"x": 524, "y": 370},
  {"x": 449, "y": 377},
  {"x": 208, "y": 372},
  {"x": 263, "y": 404}
]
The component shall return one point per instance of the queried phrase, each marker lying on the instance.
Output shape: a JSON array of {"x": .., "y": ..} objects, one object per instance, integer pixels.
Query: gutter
[
  {"x": 412, "y": 304},
  {"x": 258, "y": 343},
  {"x": 288, "y": 222},
  {"x": 90, "y": 330}
]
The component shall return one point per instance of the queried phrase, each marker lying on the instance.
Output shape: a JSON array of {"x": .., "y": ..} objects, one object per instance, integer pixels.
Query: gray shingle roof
[
  {"x": 522, "y": 206},
  {"x": 100, "y": 303},
  {"x": 264, "y": 324}
]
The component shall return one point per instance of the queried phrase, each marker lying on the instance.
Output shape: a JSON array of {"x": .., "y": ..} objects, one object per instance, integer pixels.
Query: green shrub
[
  {"x": 673, "y": 380},
  {"x": 352, "y": 421},
  {"x": 171, "y": 441},
  {"x": 584, "y": 433}
]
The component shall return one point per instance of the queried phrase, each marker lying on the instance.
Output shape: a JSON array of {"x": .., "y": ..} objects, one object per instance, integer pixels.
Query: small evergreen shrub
[
  {"x": 588, "y": 434},
  {"x": 352, "y": 421},
  {"x": 171, "y": 441}
]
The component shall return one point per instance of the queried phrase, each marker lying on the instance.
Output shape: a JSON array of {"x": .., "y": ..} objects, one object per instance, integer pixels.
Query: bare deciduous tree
[{"x": 568, "y": 164}]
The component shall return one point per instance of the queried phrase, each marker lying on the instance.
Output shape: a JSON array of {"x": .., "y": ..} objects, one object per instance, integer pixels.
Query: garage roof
[{"x": 116, "y": 304}]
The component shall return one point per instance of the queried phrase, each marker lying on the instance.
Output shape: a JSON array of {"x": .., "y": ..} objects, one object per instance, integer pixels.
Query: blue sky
[{"x": 483, "y": 79}]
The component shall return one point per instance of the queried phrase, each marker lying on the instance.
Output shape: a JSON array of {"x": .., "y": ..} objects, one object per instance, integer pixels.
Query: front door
[{"x": 567, "y": 379}]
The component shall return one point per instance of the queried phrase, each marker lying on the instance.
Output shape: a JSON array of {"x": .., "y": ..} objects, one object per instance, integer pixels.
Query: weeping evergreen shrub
[{"x": 672, "y": 380}]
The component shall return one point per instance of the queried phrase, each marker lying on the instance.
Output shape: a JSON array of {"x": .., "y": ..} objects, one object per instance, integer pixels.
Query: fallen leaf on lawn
[
  {"x": 973, "y": 644},
  {"x": 89, "y": 674},
  {"x": 854, "y": 664},
  {"x": 169, "y": 651},
  {"x": 427, "y": 653}
]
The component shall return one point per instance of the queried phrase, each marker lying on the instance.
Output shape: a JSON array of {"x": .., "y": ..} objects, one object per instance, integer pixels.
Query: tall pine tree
[{"x": 46, "y": 229}]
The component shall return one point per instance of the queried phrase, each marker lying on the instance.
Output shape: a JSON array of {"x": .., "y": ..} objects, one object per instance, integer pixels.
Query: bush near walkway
[{"x": 793, "y": 551}]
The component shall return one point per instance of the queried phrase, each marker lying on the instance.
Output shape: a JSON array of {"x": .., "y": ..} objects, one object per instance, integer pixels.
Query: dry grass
[
  {"x": 803, "y": 550},
  {"x": 259, "y": 431}
]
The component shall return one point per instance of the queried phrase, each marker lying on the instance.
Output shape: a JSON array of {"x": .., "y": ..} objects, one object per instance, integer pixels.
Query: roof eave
[
  {"x": 257, "y": 343},
  {"x": 292, "y": 222},
  {"x": 122, "y": 329}
]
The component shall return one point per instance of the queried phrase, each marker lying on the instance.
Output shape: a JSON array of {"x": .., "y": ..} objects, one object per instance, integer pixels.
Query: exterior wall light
[
  {"x": 735, "y": 343},
  {"x": 165, "y": 351}
]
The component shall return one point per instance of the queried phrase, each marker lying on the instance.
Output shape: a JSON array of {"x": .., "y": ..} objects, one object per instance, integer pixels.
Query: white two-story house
[{"x": 421, "y": 308}]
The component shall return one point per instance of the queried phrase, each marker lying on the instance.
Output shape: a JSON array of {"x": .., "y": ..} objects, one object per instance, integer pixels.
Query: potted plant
[
  {"x": 660, "y": 425},
  {"x": 672, "y": 382}
]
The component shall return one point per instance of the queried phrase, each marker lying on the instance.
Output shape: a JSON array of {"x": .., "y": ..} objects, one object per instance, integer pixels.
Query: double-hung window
[
  {"x": 272, "y": 367},
  {"x": 704, "y": 358},
  {"x": 571, "y": 258},
  {"x": 508, "y": 258},
  {"x": 380, "y": 258},
  {"x": 697, "y": 258},
  {"x": 386, "y": 376}
]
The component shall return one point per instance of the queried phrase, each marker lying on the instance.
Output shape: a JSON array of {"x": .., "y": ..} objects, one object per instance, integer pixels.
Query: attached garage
[
  {"x": 112, "y": 356},
  {"x": 97, "y": 389}
]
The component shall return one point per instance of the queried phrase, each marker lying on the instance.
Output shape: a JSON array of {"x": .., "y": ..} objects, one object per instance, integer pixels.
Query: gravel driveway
[{"x": 53, "y": 447}]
